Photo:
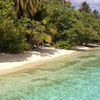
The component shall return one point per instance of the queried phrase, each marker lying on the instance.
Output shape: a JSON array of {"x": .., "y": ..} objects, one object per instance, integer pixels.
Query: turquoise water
[{"x": 62, "y": 79}]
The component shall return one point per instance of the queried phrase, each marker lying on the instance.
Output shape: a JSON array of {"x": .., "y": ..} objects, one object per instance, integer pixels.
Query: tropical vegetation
[{"x": 27, "y": 24}]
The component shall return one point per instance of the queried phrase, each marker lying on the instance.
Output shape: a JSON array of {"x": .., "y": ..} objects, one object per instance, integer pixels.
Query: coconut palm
[{"x": 28, "y": 8}]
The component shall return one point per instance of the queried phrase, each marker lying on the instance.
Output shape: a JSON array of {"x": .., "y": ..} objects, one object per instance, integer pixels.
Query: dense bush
[
  {"x": 62, "y": 45},
  {"x": 54, "y": 21},
  {"x": 76, "y": 26},
  {"x": 12, "y": 37}
]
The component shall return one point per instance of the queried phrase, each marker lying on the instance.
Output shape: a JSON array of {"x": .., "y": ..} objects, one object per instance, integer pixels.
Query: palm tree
[{"x": 27, "y": 8}]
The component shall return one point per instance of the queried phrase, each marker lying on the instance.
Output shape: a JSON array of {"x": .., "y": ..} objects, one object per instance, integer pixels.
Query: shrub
[
  {"x": 62, "y": 45},
  {"x": 12, "y": 37}
]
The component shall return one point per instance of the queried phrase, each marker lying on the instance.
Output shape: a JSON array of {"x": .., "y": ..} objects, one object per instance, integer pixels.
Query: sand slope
[{"x": 13, "y": 61}]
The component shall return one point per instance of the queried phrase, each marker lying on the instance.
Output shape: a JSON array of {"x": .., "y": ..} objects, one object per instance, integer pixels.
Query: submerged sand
[{"x": 14, "y": 62}]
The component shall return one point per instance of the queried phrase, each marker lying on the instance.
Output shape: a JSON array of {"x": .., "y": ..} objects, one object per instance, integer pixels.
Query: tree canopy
[{"x": 25, "y": 24}]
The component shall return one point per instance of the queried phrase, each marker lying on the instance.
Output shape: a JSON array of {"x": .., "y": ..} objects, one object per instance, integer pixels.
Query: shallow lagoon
[{"x": 75, "y": 79}]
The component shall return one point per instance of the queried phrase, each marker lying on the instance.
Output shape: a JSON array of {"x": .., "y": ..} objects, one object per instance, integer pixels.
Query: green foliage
[
  {"x": 11, "y": 30},
  {"x": 85, "y": 7},
  {"x": 42, "y": 21},
  {"x": 62, "y": 44},
  {"x": 28, "y": 8},
  {"x": 37, "y": 33},
  {"x": 75, "y": 26}
]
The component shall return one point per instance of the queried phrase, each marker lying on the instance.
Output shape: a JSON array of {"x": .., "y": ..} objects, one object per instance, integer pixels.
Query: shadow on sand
[
  {"x": 43, "y": 52},
  {"x": 23, "y": 57}
]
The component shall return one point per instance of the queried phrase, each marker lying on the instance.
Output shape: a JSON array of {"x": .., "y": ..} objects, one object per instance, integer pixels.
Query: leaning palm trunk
[{"x": 28, "y": 8}]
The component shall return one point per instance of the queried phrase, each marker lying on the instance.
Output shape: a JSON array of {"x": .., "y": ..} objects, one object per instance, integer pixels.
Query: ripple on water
[{"x": 78, "y": 79}]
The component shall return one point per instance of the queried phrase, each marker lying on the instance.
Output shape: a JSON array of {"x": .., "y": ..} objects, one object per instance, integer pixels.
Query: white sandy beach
[{"x": 11, "y": 62}]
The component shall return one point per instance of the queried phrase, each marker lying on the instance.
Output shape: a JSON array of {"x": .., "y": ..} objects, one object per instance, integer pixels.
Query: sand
[{"x": 14, "y": 62}]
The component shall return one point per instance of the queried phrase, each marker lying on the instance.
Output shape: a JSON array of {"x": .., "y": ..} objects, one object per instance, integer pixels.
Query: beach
[{"x": 14, "y": 62}]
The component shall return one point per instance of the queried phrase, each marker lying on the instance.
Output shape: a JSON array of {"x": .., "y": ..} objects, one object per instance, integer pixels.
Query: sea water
[{"x": 76, "y": 78}]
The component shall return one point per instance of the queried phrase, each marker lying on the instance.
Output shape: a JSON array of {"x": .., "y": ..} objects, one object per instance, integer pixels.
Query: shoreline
[{"x": 10, "y": 63}]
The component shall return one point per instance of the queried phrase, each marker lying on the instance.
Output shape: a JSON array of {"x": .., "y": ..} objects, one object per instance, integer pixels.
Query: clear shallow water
[{"x": 74, "y": 79}]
